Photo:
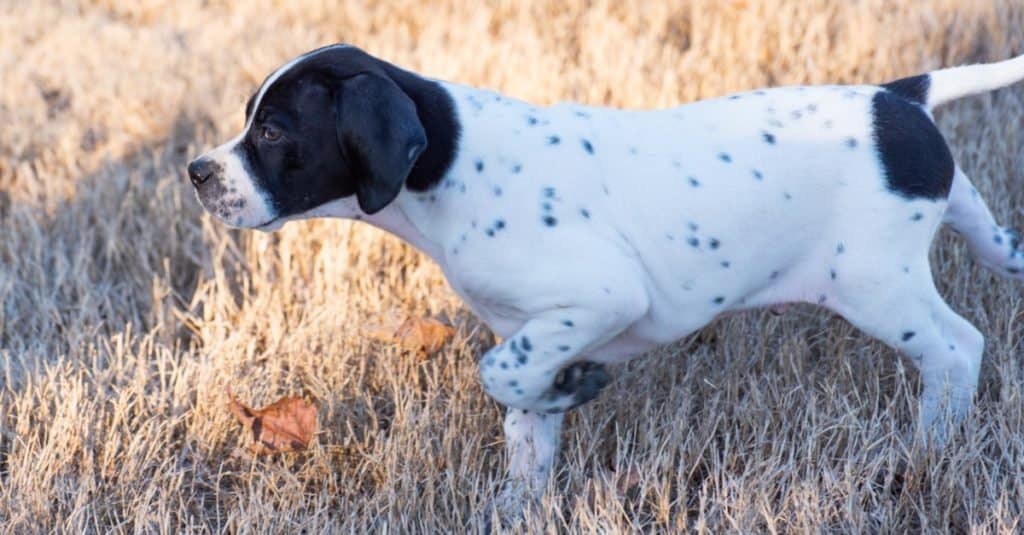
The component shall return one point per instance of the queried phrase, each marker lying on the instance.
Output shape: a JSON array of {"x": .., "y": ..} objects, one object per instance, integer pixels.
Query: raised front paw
[{"x": 577, "y": 384}]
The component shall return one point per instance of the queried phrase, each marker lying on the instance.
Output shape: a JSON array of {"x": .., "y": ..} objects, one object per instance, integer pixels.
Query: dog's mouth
[{"x": 271, "y": 225}]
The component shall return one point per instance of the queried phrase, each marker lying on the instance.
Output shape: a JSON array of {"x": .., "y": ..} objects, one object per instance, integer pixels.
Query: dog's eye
[{"x": 270, "y": 133}]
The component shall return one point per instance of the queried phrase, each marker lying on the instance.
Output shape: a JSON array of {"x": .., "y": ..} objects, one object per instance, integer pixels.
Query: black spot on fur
[
  {"x": 713, "y": 243},
  {"x": 914, "y": 88},
  {"x": 768, "y": 137},
  {"x": 916, "y": 161},
  {"x": 499, "y": 224},
  {"x": 527, "y": 346},
  {"x": 585, "y": 213},
  {"x": 917, "y": 216},
  {"x": 725, "y": 263},
  {"x": 497, "y": 191},
  {"x": 694, "y": 242},
  {"x": 724, "y": 157},
  {"x": 588, "y": 147},
  {"x": 479, "y": 166},
  {"x": 550, "y": 221},
  {"x": 517, "y": 168},
  {"x": 549, "y": 193},
  {"x": 563, "y": 348},
  {"x": 907, "y": 335},
  {"x": 554, "y": 140},
  {"x": 840, "y": 248},
  {"x": 758, "y": 175},
  {"x": 568, "y": 323},
  {"x": 531, "y": 120},
  {"x": 850, "y": 142},
  {"x": 832, "y": 273},
  {"x": 719, "y": 300},
  {"x": 694, "y": 182}
]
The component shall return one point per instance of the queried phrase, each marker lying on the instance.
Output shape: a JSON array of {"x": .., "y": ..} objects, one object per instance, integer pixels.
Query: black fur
[
  {"x": 916, "y": 161},
  {"x": 320, "y": 159},
  {"x": 914, "y": 88}
]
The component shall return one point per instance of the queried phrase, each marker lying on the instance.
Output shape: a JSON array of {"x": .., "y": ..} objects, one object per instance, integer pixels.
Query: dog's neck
[{"x": 432, "y": 216}]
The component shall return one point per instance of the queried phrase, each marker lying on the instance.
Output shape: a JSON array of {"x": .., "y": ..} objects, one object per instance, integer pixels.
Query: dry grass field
[{"x": 125, "y": 311}]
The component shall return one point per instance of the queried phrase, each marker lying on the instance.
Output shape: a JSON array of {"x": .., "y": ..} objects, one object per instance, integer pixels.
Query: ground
[{"x": 125, "y": 311}]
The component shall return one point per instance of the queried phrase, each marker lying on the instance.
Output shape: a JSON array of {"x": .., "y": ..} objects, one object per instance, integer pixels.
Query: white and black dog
[{"x": 584, "y": 236}]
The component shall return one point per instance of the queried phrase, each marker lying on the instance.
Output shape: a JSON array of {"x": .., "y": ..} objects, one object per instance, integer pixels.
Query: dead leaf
[
  {"x": 283, "y": 426},
  {"x": 421, "y": 335}
]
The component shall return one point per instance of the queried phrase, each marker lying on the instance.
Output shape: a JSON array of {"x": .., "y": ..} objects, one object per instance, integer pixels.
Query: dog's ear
[{"x": 381, "y": 135}]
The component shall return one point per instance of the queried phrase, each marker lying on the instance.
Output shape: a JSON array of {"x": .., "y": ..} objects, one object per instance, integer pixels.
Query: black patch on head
[
  {"x": 914, "y": 88},
  {"x": 588, "y": 147},
  {"x": 916, "y": 161},
  {"x": 350, "y": 122}
]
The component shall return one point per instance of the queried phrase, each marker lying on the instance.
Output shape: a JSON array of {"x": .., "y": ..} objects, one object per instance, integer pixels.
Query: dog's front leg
[{"x": 532, "y": 442}]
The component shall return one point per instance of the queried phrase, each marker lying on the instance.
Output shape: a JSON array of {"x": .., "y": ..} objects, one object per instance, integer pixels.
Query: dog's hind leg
[
  {"x": 904, "y": 310},
  {"x": 997, "y": 248}
]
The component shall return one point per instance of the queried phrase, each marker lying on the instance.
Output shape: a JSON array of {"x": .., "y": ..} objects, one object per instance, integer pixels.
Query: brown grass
[{"x": 125, "y": 311}]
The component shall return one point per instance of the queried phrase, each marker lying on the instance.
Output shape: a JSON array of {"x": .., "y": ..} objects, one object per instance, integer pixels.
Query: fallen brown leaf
[
  {"x": 421, "y": 335},
  {"x": 283, "y": 426}
]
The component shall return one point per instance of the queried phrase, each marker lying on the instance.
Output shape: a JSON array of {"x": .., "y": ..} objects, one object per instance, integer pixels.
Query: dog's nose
[{"x": 200, "y": 170}]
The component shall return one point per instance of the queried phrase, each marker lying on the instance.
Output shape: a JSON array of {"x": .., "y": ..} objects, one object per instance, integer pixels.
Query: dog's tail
[{"x": 939, "y": 87}]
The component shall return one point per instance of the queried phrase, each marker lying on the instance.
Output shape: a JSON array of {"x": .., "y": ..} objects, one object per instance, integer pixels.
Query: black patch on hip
[
  {"x": 916, "y": 161},
  {"x": 914, "y": 88}
]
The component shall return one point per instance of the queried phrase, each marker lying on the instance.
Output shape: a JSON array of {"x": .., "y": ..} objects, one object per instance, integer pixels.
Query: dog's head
[{"x": 331, "y": 124}]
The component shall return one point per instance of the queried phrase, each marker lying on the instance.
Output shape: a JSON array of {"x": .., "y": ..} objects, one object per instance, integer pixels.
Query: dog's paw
[
  {"x": 577, "y": 384},
  {"x": 515, "y": 504}
]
